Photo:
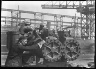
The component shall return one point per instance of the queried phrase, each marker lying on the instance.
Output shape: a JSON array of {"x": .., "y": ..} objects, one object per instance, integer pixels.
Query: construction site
[{"x": 56, "y": 40}]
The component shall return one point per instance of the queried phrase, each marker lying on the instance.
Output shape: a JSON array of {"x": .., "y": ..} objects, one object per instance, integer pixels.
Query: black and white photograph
[{"x": 48, "y": 33}]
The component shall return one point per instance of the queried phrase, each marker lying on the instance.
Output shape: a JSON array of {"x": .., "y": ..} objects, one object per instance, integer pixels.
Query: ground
[{"x": 87, "y": 53}]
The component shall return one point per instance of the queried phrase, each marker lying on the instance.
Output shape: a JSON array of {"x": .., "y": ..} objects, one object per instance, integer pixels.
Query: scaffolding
[
  {"x": 16, "y": 18},
  {"x": 86, "y": 10},
  {"x": 85, "y": 24}
]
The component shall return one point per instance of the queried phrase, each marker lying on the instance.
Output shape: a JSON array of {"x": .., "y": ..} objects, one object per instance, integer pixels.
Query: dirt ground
[{"x": 87, "y": 53}]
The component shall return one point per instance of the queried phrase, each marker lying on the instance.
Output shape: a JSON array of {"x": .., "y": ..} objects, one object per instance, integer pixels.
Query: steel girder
[
  {"x": 39, "y": 16},
  {"x": 31, "y": 12},
  {"x": 88, "y": 29},
  {"x": 87, "y": 20},
  {"x": 66, "y": 4}
]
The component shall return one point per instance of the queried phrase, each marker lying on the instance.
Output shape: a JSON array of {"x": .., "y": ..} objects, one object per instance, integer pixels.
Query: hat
[
  {"x": 26, "y": 30},
  {"x": 41, "y": 25},
  {"x": 27, "y": 24}
]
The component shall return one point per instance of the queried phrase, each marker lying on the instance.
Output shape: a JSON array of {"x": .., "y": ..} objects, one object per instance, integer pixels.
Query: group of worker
[{"x": 29, "y": 41}]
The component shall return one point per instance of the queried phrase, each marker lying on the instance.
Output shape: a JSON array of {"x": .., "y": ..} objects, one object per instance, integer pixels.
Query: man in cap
[
  {"x": 43, "y": 31},
  {"x": 22, "y": 26}
]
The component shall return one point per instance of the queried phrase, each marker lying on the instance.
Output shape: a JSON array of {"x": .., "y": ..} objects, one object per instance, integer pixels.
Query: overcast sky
[{"x": 36, "y": 7}]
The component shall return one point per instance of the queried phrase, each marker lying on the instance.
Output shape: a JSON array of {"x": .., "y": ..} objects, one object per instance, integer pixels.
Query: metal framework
[
  {"x": 58, "y": 20},
  {"x": 87, "y": 11},
  {"x": 65, "y": 4},
  {"x": 38, "y": 16}
]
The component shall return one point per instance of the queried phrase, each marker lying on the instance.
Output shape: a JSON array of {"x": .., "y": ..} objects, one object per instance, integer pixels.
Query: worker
[
  {"x": 33, "y": 40},
  {"x": 22, "y": 26},
  {"x": 61, "y": 36},
  {"x": 43, "y": 32}
]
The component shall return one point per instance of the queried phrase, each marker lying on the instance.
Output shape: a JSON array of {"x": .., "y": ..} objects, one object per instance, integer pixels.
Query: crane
[
  {"x": 66, "y": 4},
  {"x": 86, "y": 9}
]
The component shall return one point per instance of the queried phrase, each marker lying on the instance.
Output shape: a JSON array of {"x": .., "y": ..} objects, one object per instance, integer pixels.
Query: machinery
[
  {"x": 62, "y": 45},
  {"x": 70, "y": 44},
  {"x": 85, "y": 8},
  {"x": 57, "y": 47}
]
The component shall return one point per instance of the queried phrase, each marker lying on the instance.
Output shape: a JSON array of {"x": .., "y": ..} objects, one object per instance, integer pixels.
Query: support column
[
  {"x": 61, "y": 19},
  {"x": 35, "y": 18},
  {"x": 42, "y": 17},
  {"x": 11, "y": 19},
  {"x": 55, "y": 22},
  {"x": 87, "y": 26},
  {"x": 5, "y": 20}
]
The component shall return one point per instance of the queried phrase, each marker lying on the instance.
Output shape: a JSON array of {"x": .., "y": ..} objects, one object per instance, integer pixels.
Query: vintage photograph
[{"x": 48, "y": 33}]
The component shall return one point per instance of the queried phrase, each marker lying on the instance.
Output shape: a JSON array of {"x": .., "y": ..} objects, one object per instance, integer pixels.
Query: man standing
[{"x": 43, "y": 32}]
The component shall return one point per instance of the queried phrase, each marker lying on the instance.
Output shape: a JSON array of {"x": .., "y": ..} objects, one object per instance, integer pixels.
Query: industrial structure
[
  {"x": 87, "y": 11},
  {"x": 85, "y": 24},
  {"x": 82, "y": 27}
]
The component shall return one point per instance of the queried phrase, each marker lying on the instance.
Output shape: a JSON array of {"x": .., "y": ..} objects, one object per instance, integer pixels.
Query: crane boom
[{"x": 66, "y": 4}]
